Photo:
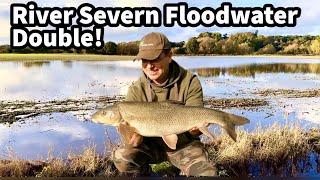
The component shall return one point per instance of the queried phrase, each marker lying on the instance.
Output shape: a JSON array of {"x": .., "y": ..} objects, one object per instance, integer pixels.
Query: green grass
[
  {"x": 164, "y": 168},
  {"x": 63, "y": 57},
  {"x": 100, "y": 57}
]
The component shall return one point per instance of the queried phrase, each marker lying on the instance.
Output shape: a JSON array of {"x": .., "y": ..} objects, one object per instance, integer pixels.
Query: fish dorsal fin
[
  {"x": 126, "y": 132},
  {"x": 171, "y": 140},
  {"x": 206, "y": 132}
]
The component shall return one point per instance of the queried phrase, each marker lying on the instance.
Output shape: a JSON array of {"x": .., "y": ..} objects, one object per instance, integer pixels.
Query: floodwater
[{"x": 221, "y": 77}]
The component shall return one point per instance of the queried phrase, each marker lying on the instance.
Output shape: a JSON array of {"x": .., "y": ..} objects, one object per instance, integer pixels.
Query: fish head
[{"x": 107, "y": 116}]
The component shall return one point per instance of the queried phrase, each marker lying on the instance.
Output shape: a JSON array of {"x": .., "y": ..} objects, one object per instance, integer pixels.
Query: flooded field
[{"x": 45, "y": 106}]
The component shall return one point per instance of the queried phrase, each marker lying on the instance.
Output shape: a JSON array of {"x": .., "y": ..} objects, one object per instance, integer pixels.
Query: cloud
[
  {"x": 303, "y": 109},
  {"x": 81, "y": 132},
  {"x": 307, "y": 23},
  {"x": 5, "y": 22},
  {"x": 5, "y": 28}
]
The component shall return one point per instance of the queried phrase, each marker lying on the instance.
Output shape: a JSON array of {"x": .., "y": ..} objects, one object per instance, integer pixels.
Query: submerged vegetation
[
  {"x": 11, "y": 111},
  {"x": 278, "y": 150},
  {"x": 289, "y": 93},
  {"x": 17, "y": 110}
]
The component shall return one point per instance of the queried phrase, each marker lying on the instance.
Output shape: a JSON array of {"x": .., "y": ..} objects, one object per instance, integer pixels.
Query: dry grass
[
  {"x": 280, "y": 143},
  {"x": 12, "y": 167},
  {"x": 86, "y": 164},
  {"x": 55, "y": 167},
  {"x": 277, "y": 150}
]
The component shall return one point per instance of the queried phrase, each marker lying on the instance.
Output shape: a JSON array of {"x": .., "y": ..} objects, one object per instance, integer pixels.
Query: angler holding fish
[{"x": 155, "y": 130}]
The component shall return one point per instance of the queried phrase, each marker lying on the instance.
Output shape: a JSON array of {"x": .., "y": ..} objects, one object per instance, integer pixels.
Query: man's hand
[
  {"x": 195, "y": 130},
  {"x": 136, "y": 139}
]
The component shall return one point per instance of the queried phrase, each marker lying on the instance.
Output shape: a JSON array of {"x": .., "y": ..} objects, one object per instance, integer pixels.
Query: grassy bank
[
  {"x": 303, "y": 56},
  {"x": 277, "y": 151},
  {"x": 63, "y": 57},
  {"x": 99, "y": 57}
]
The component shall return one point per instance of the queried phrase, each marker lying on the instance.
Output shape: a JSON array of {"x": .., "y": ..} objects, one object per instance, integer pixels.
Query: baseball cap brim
[{"x": 149, "y": 54}]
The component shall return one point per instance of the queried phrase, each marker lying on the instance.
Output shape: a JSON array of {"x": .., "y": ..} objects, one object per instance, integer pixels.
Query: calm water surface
[{"x": 225, "y": 77}]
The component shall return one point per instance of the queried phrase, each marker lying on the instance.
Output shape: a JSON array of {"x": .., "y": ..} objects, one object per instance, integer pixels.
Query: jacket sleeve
[
  {"x": 131, "y": 96},
  {"x": 195, "y": 94}
]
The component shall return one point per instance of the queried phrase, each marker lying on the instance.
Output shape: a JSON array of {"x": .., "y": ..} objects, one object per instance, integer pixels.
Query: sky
[{"x": 307, "y": 24}]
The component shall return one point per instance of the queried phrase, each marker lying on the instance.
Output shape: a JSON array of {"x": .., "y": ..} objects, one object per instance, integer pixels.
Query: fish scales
[
  {"x": 156, "y": 119},
  {"x": 164, "y": 119}
]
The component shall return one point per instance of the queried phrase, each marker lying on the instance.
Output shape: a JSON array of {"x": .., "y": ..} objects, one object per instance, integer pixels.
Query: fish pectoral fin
[
  {"x": 206, "y": 132},
  {"x": 126, "y": 132},
  {"x": 171, "y": 140},
  {"x": 231, "y": 131}
]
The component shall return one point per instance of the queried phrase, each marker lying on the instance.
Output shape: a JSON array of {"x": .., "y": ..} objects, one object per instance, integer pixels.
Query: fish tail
[
  {"x": 230, "y": 128},
  {"x": 237, "y": 120}
]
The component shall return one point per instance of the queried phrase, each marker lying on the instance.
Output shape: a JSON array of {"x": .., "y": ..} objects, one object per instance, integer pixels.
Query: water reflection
[
  {"x": 220, "y": 78},
  {"x": 64, "y": 79},
  {"x": 253, "y": 69},
  {"x": 68, "y": 64},
  {"x": 34, "y": 137},
  {"x": 52, "y": 80},
  {"x": 38, "y": 64},
  {"x": 63, "y": 132}
]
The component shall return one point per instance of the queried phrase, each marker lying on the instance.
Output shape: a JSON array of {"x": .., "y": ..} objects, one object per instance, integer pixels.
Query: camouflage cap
[{"x": 151, "y": 46}]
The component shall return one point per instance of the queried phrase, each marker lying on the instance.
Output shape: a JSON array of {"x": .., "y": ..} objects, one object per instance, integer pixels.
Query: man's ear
[{"x": 170, "y": 56}]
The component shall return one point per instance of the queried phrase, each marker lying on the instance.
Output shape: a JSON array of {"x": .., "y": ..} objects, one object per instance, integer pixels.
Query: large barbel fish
[{"x": 165, "y": 119}]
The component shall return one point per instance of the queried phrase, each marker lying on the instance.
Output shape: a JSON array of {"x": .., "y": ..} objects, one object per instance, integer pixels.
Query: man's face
[{"x": 157, "y": 70}]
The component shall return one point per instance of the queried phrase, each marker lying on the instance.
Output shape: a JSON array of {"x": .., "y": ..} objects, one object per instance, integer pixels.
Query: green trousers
[{"x": 191, "y": 159}]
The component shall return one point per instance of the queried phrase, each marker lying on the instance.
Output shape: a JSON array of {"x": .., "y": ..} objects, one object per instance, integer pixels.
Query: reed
[{"x": 279, "y": 150}]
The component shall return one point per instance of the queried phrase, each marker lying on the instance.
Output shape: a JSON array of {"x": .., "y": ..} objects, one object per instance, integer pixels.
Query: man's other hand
[
  {"x": 136, "y": 139},
  {"x": 195, "y": 130}
]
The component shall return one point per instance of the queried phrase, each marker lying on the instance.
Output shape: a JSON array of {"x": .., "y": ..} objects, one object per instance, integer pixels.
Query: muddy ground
[
  {"x": 289, "y": 93},
  {"x": 11, "y": 111}
]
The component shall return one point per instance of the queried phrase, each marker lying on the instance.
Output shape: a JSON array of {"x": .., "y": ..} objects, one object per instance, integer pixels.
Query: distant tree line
[
  {"x": 207, "y": 43},
  {"x": 251, "y": 43}
]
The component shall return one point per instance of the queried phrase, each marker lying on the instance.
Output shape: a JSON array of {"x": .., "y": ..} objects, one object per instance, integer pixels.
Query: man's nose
[{"x": 149, "y": 64}]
